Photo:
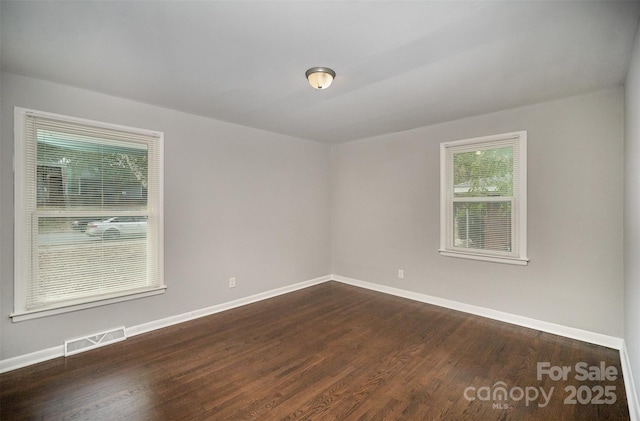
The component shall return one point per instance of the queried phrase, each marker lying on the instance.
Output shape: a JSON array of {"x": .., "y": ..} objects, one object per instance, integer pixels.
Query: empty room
[{"x": 319, "y": 210}]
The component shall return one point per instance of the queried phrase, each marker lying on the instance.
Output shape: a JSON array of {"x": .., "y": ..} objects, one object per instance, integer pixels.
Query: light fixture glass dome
[{"x": 320, "y": 77}]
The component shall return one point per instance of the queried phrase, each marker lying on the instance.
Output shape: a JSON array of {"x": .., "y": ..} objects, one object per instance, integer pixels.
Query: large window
[
  {"x": 483, "y": 198},
  {"x": 88, "y": 220}
]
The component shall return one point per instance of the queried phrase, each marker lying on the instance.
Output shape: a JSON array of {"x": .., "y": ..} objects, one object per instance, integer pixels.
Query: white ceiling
[{"x": 399, "y": 64}]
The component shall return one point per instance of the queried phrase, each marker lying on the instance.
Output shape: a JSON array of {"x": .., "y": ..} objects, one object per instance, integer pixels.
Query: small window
[
  {"x": 483, "y": 198},
  {"x": 88, "y": 218}
]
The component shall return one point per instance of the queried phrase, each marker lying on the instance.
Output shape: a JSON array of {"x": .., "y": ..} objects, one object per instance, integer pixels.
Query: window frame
[
  {"x": 22, "y": 240},
  {"x": 518, "y": 253}
]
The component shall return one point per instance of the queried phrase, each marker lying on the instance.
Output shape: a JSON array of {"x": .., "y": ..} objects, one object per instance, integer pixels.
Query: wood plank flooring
[{"x": 328, "y": 352}]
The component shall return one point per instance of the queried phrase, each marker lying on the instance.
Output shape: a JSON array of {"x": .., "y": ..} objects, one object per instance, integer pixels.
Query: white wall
[
  {"x": 274, "y": 210},
  {"x": 632, "y": 213},
  {"x": 385, "y": 214},
  {"x": 238, "y": 202}
]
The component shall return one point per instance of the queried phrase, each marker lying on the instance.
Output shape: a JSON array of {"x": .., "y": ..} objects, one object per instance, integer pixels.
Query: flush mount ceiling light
[{"x": 320, "y": 77}]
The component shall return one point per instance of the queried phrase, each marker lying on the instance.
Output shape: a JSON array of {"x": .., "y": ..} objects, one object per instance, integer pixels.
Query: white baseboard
[
  {"x": 185, "y": 317},
  {"x": 629, "y": 384},
  {"x": 20, "y": 361},
  {"x": 569, "y": 332},
  {"x": 25, "y": 360}
]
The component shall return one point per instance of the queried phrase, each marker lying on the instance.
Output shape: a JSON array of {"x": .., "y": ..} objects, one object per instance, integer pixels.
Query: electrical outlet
[
  {"x": 232, "y": 282},
  {"x": 401, "y": 273}
]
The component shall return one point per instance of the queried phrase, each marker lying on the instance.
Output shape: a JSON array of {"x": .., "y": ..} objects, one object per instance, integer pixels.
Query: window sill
[
  {"x": 66, "y": 308},
  {"x": 495, "y": 259}
]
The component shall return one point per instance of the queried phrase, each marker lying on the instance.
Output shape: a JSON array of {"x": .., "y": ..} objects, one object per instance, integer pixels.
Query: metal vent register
[{"x": 75, "y": 346}]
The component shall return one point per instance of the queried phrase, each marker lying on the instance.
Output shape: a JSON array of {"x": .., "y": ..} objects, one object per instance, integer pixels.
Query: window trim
[
  {"x": 21, "y": 274},
  {"x": 518, "y": 256}
]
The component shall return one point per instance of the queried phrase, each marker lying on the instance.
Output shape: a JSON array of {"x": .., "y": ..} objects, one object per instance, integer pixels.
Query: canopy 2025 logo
[
  {"x": 501, "y": 395},
  {"x": 596, "y": 395}
]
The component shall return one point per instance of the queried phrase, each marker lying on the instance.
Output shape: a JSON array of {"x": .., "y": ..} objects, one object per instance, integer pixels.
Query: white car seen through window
[{"x": 118, "y": 227}]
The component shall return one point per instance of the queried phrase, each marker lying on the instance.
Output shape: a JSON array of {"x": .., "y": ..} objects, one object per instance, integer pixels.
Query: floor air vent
[{"x": 75, "y": 346}]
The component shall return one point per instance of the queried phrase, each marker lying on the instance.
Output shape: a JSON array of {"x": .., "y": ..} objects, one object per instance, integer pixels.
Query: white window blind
[
  {"x": 88, "y": 211},
  {"x": 483, "y": 198}
]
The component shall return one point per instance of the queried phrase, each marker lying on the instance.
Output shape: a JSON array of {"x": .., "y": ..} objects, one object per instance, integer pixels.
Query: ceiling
[{"x": 399, "y": 64}]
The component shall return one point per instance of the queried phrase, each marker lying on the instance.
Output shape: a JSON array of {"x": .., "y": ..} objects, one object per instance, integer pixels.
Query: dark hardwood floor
[{"x": 329, "y": 352}]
